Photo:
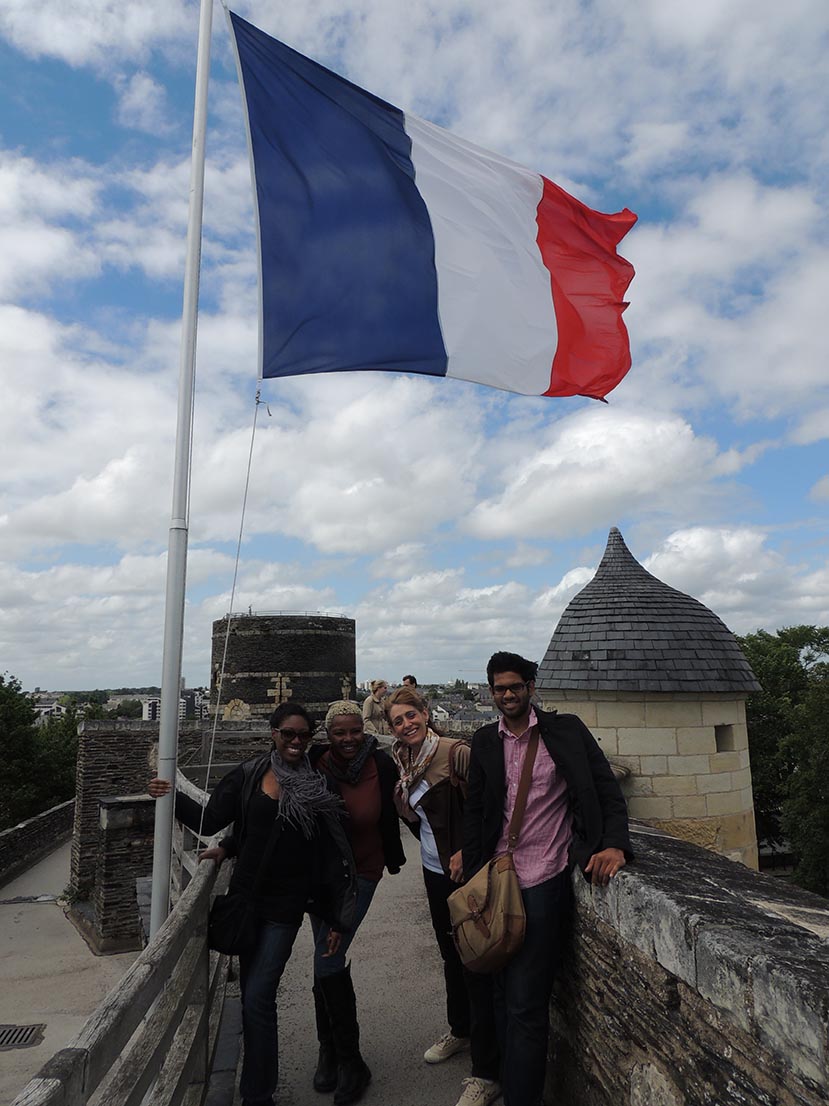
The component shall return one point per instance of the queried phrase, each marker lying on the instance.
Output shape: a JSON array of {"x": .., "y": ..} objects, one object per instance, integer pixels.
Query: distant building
[
  {"x": 151, "y": 708},
  {"x": 47, "y": 706}
]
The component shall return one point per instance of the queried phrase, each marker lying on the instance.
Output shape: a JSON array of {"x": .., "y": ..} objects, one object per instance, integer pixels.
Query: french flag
[{"x": 388, "y": 244}]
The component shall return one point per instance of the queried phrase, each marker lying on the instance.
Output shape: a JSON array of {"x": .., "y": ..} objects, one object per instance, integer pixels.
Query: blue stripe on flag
[{"x": 348, "y": 255}]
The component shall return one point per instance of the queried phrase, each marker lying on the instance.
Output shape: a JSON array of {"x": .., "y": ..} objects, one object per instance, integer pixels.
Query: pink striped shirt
[{"x": 543, "y": 843}]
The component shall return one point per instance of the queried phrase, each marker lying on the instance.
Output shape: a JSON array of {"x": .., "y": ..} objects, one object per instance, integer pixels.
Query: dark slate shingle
[{"x": 627, "y": 627}]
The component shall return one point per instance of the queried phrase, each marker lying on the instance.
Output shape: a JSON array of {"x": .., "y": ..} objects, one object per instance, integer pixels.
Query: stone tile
[
  {"x": 725, "y": 802},
  {"x": 647, "y": 741},
  {"x": 693, "y": 740},
  {"x": 688, "y": 765}
]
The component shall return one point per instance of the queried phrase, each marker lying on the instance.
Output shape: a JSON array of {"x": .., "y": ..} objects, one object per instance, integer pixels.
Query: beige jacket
[{"x": 374, "y": 716}]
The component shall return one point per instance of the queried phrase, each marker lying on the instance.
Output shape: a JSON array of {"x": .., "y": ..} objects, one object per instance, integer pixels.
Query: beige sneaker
[
  {"x": 479, "y": 1092},
  {"x": 447, "y": 1046}
]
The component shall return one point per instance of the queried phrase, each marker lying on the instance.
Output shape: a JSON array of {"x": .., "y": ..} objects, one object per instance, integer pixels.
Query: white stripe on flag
[{"x": 494, "y": 295}]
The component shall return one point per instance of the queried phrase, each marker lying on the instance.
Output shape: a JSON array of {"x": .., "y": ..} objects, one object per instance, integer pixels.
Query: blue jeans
[
  {"x": 259, "y": 973},
  {"x": 331, "y": 965},
  {"x": 523, "y": 990}
]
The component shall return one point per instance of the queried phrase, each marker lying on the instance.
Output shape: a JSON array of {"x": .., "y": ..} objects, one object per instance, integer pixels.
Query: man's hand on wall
[{"x": 603, "y": 866}]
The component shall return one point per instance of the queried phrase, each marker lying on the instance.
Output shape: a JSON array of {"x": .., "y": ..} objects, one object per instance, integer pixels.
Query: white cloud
[
  {"x": 93, "y": 32},
  {"x": 820, "y": 490},
  {"x": 596, "y": 467},
  {"x": 40, "y": 208},
  {"x": 142, "y": 104},
  {"x": 404, "y": 560},
  {"x": 813, "y": 426},
  {"x": 736, "y": 574}
]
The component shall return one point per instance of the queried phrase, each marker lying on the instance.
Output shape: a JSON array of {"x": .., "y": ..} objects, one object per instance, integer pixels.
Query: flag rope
[{"x": 257, "y": 403}]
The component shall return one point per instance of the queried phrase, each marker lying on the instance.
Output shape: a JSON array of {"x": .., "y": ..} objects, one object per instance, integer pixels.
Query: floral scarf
[{"x": 412, "y": 768}]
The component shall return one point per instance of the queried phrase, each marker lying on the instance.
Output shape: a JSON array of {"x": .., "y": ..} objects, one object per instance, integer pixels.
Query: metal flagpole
[{"x": 177, "y": 548}]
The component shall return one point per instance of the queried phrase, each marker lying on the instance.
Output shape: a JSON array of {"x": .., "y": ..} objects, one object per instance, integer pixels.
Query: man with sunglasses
[{"x": 575, "y": 814}]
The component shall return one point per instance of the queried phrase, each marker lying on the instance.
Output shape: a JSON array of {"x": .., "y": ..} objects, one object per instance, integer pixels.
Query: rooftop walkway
[
  {"x": 397, "y": 973},
  {"x": 48, "y": 975}
]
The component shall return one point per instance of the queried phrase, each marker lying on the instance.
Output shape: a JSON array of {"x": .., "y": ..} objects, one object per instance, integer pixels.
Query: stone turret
[{"x": 662, "y": 682}]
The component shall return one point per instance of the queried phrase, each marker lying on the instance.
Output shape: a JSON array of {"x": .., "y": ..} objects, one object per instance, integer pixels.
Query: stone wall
[
  {"x": 692, "y": 981},
  {"x": 114, "y": 758},
  {"x": 688, "y": 760},
  {"x": 124, "y": 854},
  {"x": 24, "y": 844}
]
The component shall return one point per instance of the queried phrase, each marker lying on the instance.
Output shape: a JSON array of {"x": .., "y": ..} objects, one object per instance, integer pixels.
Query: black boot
[
  {"x": 353, "y": 1075},
  {"x": 325, "y": 1077}
]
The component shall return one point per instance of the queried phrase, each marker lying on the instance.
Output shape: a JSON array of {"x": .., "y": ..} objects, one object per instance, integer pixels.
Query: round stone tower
[
  {"x": 662, "y": 683},
  {"x": 274, "y": 657}
]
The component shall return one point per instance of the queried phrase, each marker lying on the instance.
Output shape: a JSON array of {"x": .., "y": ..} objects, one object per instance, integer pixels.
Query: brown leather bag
[{"x": 487, "y": 913}]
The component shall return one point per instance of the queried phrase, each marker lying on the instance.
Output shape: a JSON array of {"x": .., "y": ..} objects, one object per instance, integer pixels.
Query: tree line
[
  {"x": 788, "y": 737},
  {"x": 38, "y": 758}
]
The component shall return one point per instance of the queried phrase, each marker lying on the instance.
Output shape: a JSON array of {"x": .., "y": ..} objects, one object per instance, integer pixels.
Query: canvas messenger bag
[{"x": 487, "y": 913}]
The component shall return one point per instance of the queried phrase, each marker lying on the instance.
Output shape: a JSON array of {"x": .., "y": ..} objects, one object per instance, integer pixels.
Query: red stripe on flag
[{"x": 589, "y": 280}]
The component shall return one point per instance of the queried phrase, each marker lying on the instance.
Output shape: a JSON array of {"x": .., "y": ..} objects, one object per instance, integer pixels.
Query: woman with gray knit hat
[{"x": 365, "y": 777}]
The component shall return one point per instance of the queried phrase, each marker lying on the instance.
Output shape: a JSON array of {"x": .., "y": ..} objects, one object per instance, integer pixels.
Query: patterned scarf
[
  {"x": 348, "y": 771},
  {"x": 412, "y": 768},
  {"x": 304, "y": 796}
]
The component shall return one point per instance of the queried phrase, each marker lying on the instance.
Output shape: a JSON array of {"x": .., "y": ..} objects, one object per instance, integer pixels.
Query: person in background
[
  {"x": 409, "y": 681},
  {"x": 373, "y": 713},
  {"x": 575, "y": 814},
  {"x": 276, "y": 800},
  {"x": 430, "y": 798},
  {"x": 365, "y": 777}
]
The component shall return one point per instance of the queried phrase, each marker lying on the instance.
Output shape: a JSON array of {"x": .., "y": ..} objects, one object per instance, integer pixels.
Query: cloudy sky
[{"x": 449, "y": 519}]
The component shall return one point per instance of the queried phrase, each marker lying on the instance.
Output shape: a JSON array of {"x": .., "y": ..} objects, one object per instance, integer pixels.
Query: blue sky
[{"x": 449, "y": 519}]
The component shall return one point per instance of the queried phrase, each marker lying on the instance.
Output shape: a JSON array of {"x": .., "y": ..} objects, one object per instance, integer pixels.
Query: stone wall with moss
[{"x": 692, "y": 981}]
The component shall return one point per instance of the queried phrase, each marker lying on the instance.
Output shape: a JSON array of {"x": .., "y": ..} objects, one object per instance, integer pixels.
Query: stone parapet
[
  {"x": 124, "y": 855},
  {"x": 692, "y": 981},
  {"x": 24, "y": 844},
  {"x": 114, "y": 758}
]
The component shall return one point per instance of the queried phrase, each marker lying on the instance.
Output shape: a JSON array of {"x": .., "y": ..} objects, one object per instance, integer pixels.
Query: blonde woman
[
  {"x": 430, "y": 799},
  {"x": 374, "y": 715}
]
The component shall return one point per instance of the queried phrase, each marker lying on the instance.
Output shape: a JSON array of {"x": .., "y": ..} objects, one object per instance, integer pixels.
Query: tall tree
[
  {"x": 18, "y": 783},
  {"x": 770, "y": 716},
  {"x": 789, "y": 745},
  {"x": 805, "y": 815},
  {"x": 38, "y": 760}
]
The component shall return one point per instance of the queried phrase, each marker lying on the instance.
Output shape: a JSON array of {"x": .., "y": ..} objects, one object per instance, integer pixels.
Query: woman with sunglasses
[
  {"x": 278, "y": 803},
  {"x": 430, "y": 798}
]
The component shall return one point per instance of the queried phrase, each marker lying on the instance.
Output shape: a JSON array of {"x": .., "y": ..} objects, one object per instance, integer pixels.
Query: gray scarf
[{"x": 304, "y": 796}]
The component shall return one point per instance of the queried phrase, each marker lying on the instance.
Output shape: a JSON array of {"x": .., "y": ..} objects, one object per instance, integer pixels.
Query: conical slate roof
[{"x": 627, "y": 631}]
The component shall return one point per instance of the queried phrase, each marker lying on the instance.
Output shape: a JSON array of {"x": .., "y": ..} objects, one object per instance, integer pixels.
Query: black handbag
[{"x": 233, "y": 924}]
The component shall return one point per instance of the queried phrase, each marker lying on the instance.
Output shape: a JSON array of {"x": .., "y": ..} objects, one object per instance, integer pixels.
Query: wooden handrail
[{"x": 163, "y": 1000}]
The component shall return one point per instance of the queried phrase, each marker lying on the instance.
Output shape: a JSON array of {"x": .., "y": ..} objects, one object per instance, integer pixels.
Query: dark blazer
[
  {"x": 389, "y": 825},
  {"x": 599, "y": 813}
]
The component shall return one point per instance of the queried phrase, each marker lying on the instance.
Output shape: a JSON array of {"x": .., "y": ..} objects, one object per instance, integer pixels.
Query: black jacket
[
  {"x": 599, "y": 813},
  {"x": 387, "y": 775},
  {"x": 333, "y": 895}
]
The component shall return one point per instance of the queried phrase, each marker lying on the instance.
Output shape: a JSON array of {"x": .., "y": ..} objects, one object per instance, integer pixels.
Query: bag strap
[{"x": 514, "y": 828}]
